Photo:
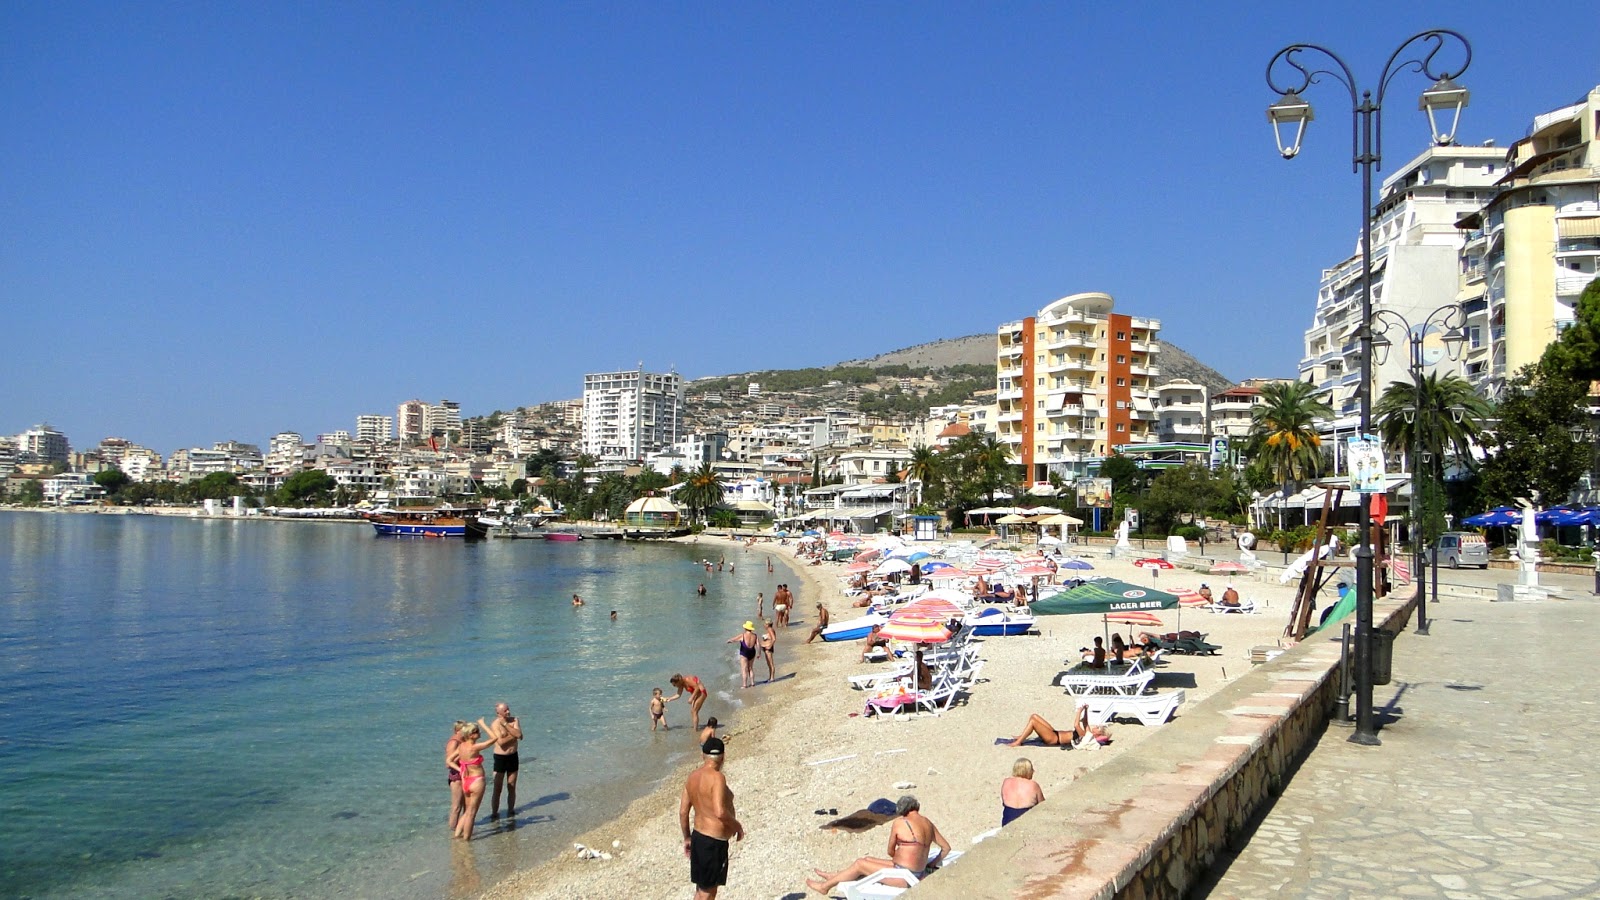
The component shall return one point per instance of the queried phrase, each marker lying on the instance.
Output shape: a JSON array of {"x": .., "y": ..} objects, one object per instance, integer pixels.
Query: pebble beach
[{"x": 801, "y": 745}]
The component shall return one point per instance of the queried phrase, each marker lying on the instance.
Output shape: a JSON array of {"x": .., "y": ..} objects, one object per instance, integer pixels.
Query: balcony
[
  {"x": 1146, "y": 346},
  {"x": 1010, "y": 415},
  {"x": 1571, "y": 282},
  {"x": 1147, "y": 371},
  {"x": 1013, "y": 393}
]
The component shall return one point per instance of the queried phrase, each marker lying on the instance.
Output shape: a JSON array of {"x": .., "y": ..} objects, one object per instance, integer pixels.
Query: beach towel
[
  {"x": 1030, "y": 742},
  {"x": 876, "y": 813}
]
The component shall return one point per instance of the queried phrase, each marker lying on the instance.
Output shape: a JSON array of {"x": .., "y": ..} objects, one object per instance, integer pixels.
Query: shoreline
[{"x": 811, "y": 749}]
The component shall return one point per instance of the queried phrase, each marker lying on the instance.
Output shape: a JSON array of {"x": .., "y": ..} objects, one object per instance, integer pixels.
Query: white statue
[
  {"x": 1528, "y": 541},
  {"x": 1122, "y": 537},
  {"x": 1247, "y": 541}
]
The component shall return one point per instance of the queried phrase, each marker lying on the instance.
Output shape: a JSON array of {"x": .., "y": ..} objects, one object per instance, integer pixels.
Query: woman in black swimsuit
[{"x": 746, "y": 640}]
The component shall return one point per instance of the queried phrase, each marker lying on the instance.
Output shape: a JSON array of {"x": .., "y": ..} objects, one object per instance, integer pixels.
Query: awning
[{"x": 1586, "y": 226}]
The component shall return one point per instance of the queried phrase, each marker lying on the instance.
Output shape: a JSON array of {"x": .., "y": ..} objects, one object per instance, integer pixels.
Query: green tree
[
  {"x": 309, "y": 488},
  {"x": 1125, "y": 474},
  {"x": 1283, "y": 430},
  {"x": 216, "y": 486},
  {"x": 113, "y": 480},
  {"x": 701, "y": 492},
  {"x": 982, "y": 463},
  {"x": 28, "y": 493},
  {"x": 1531, "y": 447},
  {"x": 1576, "y": 354},
  {"x": 1188, "y": 490},
  {"x": 1448, "y": 417},
  {"x": 646, "y": 481},
  {"x": 928, "y": 469}
]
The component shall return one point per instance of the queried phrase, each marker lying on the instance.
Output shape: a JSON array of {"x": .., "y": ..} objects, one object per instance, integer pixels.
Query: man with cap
[
  {"x": 747, "y": 641},
  {"x": 706, "y": 794}
]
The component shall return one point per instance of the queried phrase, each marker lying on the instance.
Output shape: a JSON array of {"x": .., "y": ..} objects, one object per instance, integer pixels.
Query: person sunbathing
[
  {"x": 1230, "y": 597},
  {"x": 1095, "y": 659},
  {"x": 912, "y": 837},
  {"x": 1050, "y": 736},
  {"x": 873, "y": 641}
]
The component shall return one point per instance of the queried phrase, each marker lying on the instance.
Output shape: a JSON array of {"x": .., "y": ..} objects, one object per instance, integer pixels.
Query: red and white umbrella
[
  {"x": 865, "y": 555},
  {"x": 1229, "y": 567},
  {"x": 1034, "y": 571},
  {"x": 912, "y": 628},
  {"x": 938, "y": 608},
  {"x": 1134, "y": 618},
  {"x": 1187, "y": 597},
  {"x": 1152, "y": 562}
]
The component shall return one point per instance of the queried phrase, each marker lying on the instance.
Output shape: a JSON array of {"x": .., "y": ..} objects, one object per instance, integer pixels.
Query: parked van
[{"x": 1458, "y": 548}]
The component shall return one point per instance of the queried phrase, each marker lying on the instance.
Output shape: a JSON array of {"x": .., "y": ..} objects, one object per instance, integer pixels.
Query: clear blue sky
[{"x": 223, "y": 220}]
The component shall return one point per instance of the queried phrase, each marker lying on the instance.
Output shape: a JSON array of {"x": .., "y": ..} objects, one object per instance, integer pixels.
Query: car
[{"x": 1458, "y": 548}]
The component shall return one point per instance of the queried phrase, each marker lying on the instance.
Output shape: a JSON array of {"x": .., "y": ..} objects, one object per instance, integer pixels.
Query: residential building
[
  {"x": 1074, "y": 381},
  {"x": 1232, "y": 412},
  {"x": 632, "y": 414},
  {"x": 1182, "y": 412},
  {"x": 41, "y": 443},
  {"x": 1532, "y": 249},
  {"x": 1415, "y": 247},
  {"x": 8, "y": 457},
  {"x": 285, "y": 453},
  {"x": 375, "y": 428},
  {"x": 442, "y": 418},
  {"x": 411, "y": 418}
]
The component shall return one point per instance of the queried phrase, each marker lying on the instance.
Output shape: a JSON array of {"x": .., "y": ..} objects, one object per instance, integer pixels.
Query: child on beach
[
  {"x": 658, "y": 710},
  {"x": 710, "y": 731}
]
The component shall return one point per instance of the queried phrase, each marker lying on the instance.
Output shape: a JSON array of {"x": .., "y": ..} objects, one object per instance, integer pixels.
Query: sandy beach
[{"x": 803, "y": 745}]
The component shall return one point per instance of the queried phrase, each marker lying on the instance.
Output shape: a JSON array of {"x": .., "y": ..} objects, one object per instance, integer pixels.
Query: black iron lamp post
[
  {"x": 1290, "y": 115},
  {"x": 1450, "y": 318}
]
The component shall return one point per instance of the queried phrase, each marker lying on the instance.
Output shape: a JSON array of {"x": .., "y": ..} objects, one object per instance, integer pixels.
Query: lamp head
[
  {"x": 1289, "y": 117},
  {"x": 1443, "y": 103}
]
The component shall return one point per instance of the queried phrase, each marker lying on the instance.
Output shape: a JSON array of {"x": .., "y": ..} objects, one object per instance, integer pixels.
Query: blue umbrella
[
  {"x": 810, "y": 532},
  {"x": 935, "y": 566},
  {"x": 919, "y": 556},
  {"x": 1077, "y": 564},
  {"x": 1500, "y": 515},
  {"x": 1560, "y": 516}
]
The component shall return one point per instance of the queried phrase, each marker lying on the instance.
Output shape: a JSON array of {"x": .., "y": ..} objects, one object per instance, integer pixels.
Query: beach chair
[
  {"x": 1089, "y": 682},
  {"x": 1150, "y": 710},
  {"x": 1245, "y": 606},
  {"x": 1198, "y": 647},
  {"x": 873, "y": 888}
]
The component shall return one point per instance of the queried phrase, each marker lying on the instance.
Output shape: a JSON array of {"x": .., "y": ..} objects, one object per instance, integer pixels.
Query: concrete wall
[{"x": 1149, "y": 823}]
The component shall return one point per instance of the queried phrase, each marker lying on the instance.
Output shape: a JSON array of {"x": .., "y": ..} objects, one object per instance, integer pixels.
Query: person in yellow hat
[{"x": 747, "y": 641}]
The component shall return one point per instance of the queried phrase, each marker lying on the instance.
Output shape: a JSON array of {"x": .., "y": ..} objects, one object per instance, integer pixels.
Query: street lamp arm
[
  {"x": 1424, "y": 65},
  {"x": 1307, "y": 77}
]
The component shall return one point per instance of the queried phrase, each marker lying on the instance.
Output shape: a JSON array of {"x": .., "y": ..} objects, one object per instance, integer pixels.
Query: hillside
[{"x": 979, "y": 349}]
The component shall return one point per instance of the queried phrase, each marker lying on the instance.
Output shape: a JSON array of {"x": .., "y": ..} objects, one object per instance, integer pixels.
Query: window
[
  {"x": 1121, "y": 359},
  {"x": 1122, "y": 335},
  {"x": 1121, "y": 426},
  {"x": 1122, "y": 382}
]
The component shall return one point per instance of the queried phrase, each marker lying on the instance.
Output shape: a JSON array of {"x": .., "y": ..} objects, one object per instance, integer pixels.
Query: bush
[{"x": 1189, "y": 532}]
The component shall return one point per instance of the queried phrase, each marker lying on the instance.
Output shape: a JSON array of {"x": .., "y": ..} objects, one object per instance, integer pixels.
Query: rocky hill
[{"x": 979, "y": 349}]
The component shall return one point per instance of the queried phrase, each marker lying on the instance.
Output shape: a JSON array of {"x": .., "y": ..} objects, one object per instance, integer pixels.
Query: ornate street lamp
[
  {"x": 1443, "y": 99},
  {"x": 1450, "y": 317}
]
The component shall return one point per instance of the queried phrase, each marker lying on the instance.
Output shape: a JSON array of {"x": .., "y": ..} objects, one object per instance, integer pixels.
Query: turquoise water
[{"x": 223, "y": 708}]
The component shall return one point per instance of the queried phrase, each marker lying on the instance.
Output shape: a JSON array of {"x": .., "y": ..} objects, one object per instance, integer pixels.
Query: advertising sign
[
  {"x": 1094, "y": 492},
  {"x": 1219, "y": 451},
  {"x": 1364, "y": 455}
]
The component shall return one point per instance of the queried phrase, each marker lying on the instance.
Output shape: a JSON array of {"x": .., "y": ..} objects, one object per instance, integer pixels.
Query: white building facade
[{"x": 630, "y": 415}]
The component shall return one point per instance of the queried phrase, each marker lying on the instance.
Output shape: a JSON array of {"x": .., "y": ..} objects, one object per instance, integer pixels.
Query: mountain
[{"x": 979, "y": 349}]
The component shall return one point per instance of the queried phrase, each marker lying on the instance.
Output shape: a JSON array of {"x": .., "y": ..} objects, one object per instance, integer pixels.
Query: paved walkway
[{"x": 1486, "y": 784}]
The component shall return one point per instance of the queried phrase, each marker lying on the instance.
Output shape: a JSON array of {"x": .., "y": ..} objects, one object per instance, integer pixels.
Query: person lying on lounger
[
  {"x": 1051, "y": 737},
  {"x": 912, "y": 837}
]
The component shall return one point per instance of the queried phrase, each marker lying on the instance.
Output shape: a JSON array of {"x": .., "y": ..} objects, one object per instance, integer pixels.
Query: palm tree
[
  {"x": 984, "y": 463},
  {"x": 702, "y": 491},
  {"x": 1284, "y": 430},
  {"x": 928, "y": 470},
  {"x": 1447, "y": 416}
]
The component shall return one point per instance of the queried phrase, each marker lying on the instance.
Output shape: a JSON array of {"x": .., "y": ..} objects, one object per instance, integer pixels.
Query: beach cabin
[{"x": 654, "y": 513}]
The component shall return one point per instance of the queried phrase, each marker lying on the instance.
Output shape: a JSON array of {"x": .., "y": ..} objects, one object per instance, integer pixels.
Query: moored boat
[
  {"x": 562, "y": 535},
  {"x": 854, "y": 629},
  {"x": 995, "y": 622},
  {"x": 444, "y": 521}
]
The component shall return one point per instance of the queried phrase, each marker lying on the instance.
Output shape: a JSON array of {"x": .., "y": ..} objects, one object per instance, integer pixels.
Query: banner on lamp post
[{"x": 1364, "y": 456}]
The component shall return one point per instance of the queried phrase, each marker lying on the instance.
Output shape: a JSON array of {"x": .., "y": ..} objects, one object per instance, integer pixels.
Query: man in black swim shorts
[
  {"x": 706, "y": 794},
  {"x": 506, "y": 732}
]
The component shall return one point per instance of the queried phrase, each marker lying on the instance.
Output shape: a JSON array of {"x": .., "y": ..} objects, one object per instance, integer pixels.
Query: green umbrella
[{"x": 1105, "y": 596}]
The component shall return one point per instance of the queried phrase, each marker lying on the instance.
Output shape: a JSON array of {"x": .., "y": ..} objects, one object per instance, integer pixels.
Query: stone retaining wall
[{"x": 1149, "y": 823}]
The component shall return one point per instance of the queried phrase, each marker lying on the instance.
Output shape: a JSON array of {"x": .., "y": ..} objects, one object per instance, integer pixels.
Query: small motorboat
[
  {"x": 562, "y": 535},
  {"x": 996, "y": 622},
  {"x": 854, "y": 629}
]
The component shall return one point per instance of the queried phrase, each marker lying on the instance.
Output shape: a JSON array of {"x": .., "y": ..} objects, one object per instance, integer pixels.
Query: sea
[{"x": 196, "y": 707}]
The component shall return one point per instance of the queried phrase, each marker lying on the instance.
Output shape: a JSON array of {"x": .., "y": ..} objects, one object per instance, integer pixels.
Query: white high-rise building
[
  {"x": 411, "y": 416},
  {"x": 375, "y": 428},
  {"x": 630, "y": 415},
  {"x": 1415, "y": 247},
  {"x": 41, "y": 443}
]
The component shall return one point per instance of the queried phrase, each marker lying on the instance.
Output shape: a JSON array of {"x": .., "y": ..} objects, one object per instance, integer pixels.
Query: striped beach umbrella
[
  {"x": 911, "y": 628},
  {"x": 938, "y": 608},
  {"x": 1229, "y": 567}
]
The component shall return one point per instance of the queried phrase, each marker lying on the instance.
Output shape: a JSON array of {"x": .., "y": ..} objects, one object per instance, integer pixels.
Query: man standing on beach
[
  {"x": 506, "y": 732},
  {"x": 706, "y": 793}
]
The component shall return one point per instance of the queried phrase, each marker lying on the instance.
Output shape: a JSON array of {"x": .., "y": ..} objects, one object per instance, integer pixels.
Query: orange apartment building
[{"x": 1074, "y": 382}]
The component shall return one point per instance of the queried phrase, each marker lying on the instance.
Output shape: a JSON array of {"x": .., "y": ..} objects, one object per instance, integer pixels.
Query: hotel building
[
  {"x": 1531, "y": 250},
  {"x": 630, "y": 415},
  {"x": 1415, "y": 243},
  {"x": 1073, "y": 383}
]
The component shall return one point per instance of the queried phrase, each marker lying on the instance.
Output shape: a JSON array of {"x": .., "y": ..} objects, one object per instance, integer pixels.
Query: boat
[
  {"x": 565, "y": 534},
  {"x": 996, "y": 622},
  {"x": 443, "y": 521},
  {"x": 854, "y": 629}
]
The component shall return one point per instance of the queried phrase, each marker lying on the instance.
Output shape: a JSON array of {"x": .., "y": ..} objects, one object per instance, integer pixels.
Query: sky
[{"x": 224, "y": 220}]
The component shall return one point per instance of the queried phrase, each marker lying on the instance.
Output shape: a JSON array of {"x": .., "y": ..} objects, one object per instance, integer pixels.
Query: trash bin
[{"x": 1382, "y": 656}]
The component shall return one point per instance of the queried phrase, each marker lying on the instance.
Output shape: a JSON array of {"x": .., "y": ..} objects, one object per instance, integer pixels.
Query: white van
[{"x": 1458, "y": 548}]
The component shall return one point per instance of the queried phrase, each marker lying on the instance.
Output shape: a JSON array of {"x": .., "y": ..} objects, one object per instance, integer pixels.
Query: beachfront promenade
[{"x": 1484, "y": 785}]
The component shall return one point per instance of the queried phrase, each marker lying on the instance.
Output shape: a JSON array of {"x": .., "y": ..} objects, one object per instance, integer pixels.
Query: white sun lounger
[
  {"x": 1151, "y": 710},
  {"x": 873, "y": 888},
  {"x": 1084, "y": 684}
]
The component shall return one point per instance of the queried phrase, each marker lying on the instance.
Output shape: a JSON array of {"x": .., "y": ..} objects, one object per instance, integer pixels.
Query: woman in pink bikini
[
  {"x": 469, "y": 762},
  {"x": 697, "y": 694}
]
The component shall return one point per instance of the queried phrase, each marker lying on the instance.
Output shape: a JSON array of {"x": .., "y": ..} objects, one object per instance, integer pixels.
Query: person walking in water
[
  {"x": 769, "y": 643},
  {"x": 707, "y": 798},
  {"x": 697, "y": 692},
  {"x": 747, "y": 642},
  {"x": 506, "y": 733}
]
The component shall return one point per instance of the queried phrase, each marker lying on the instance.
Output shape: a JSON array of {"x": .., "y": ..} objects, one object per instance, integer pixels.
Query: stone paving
[{"x": 1486, "y": 785}]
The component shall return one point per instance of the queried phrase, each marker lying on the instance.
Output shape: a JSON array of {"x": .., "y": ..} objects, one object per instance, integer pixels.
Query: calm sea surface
[{"x": 235, "y": 708}]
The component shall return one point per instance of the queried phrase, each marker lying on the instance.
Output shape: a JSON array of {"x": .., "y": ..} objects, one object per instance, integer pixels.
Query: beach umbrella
[
  {"x": 1500, "y": 515},
  {"x": 890, "y": 566},
  {"x": 939, "y": 608},
  {"x": 809, "y": 533},
  {"x": 1229, "y": 567},
  {"x": 937, "y": 565},
  {"x": 947, "y": 573},
  {"x": 867, "y": 555},
  {"x": 915, "y": 629},
  {"x": 1152, "y": 562},
  {"x": 919, "y": 556},
  {"x": 1107, "y": 595},
  {"x": 1079, "y": 564},
  {"x": 1034, "y": 571},
  {"x": 855, "y": 568},
  {"x": 1130, "y": 619},
  {"x": 1187, "y": 597},
  {"x": 1049, "y": 539}
]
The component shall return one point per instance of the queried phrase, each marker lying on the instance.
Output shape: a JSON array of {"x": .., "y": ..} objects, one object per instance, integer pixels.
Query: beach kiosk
[{"x": 652, "y": 514}]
